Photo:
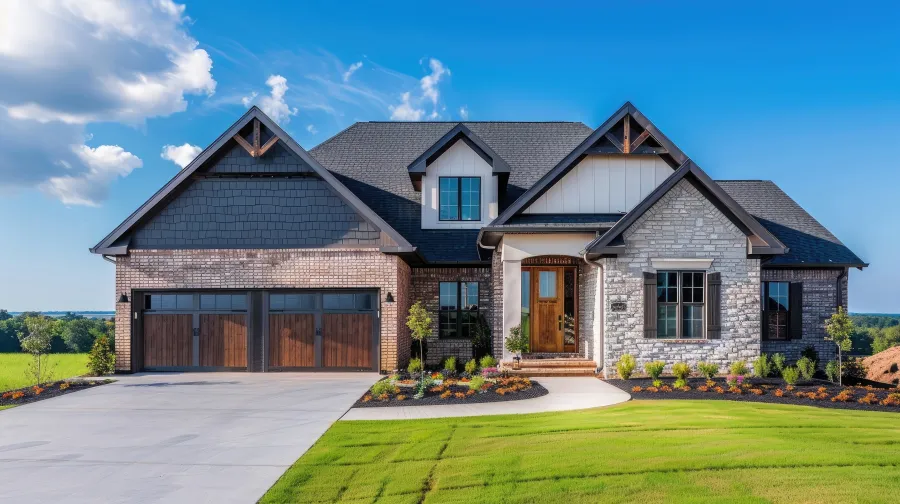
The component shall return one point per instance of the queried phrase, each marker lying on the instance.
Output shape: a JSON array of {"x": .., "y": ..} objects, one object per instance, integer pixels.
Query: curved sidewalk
[{"x": 564, "y": 394}]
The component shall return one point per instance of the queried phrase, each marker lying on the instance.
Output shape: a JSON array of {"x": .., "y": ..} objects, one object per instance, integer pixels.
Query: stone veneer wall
[
  {"x": 497, "y": 291},
  {"x": 273, "y": 268},
  {"x": 425, "y": 288},
  {"x": 683, "y": 224},
  {"x": 587, "y": 295},
  {"x": 820, "y": 300}
]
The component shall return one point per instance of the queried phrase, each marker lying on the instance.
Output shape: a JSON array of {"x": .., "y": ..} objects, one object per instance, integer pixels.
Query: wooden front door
[{"x": 547, "y": 307}]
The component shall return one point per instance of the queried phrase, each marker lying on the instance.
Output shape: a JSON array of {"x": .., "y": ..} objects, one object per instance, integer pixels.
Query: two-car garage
[{"x": 257, "y": 330}]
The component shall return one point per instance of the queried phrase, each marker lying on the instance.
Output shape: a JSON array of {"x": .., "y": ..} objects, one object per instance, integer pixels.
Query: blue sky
[{"x": 804, "y": 94}]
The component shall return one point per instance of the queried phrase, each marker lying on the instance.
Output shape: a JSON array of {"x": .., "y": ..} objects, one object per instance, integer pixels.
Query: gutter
[{"x": 840, "y": 282}]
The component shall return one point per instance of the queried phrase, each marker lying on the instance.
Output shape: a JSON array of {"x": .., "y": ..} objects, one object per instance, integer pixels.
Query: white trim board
[{"x": 680, "y": 264}]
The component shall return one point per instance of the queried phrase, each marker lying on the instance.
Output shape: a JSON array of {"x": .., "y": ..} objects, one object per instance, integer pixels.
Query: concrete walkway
[
  {"x": 565, "y": 394},
  {"x": 169, "y": 438}
]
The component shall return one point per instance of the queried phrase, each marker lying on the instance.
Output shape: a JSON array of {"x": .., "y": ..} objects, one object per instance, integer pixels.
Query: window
[
  {"x": 526, "y": 304},
  {"x": 223, "y": 302},
  {"x": 547, "y": 284},
  {"x": 459, "y": 198},
  {"x": 457, "y": 309},
  {"x": 680, "y": 299},
  {"x": 169, "y": 302},
  {"x": 776, "y": 309}
]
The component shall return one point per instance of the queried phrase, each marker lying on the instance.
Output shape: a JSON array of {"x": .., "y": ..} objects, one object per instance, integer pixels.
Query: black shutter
[
  {"x": 795, "y": 305},
  {"x": 714, "y": 306},
  {"x": 649, "y": 305},
  {"x": 764, "y": 324}
]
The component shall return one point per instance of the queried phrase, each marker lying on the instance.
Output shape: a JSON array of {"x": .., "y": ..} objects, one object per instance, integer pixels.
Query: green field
[
  {"x": 641, "y": 451},
  {"x": 13, "y": 366}
]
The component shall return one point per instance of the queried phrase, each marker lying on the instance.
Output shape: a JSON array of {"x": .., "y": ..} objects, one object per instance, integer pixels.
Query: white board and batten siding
[
  {"x": 603, "y": 184},
  {"x": 458, "y": 161}
]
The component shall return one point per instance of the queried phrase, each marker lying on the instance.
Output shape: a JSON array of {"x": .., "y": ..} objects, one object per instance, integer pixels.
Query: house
[{"x": 263, "y": 256}]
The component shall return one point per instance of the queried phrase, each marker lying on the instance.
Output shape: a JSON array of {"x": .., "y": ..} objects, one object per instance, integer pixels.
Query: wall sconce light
[
  {"x": 389, "y": 298},
  {"x": 123, "y": 298}
]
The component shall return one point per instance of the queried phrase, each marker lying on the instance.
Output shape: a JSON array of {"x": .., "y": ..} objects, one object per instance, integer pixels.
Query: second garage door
[{"x": 322, "y": 330}]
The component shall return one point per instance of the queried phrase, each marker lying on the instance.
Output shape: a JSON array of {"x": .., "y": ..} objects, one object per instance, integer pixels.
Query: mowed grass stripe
[{"x": 682, "y": 451}]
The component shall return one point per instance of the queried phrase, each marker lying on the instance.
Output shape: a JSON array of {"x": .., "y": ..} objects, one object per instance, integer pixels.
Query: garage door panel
[
  {"x": 347, "y": 340},
  {"x": 168, "y": 340},
  {"x": 223, "y": 340},
  {"x": 292, "y": 340}
]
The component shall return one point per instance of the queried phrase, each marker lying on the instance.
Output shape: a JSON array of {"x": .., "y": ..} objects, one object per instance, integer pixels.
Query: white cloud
[
  {"x": 182, "y": 155},
  {"x": 405, "y": 111},
  {"x": 312, "y": 129},
  {"x": 464, "y": 112},
  {"x": 105, "y": 163},
  {"x": 430, "y": 81},
  {"x": 353, "y": 68},
  {"x": 70, "y": 63},
  {"x": 273, "y": 104}
]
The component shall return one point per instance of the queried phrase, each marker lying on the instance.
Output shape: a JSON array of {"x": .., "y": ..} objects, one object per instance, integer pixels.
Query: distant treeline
[
  {"x": 72, "y": 333},
  {"x": 875, "y": 332}
]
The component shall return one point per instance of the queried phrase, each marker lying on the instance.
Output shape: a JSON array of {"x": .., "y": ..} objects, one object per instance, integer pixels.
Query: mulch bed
[
  {"x": 768, "y": 387},
  {"x": 48, "y": 390},
  {"x": 434, "y": 398}
]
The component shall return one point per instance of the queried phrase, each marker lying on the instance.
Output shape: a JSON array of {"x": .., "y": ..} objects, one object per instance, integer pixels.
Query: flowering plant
[{"x": 490, "y": 372}]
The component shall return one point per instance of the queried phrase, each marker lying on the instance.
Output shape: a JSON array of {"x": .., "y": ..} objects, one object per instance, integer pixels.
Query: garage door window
[
  {"x": 223, "y": 302},
  {"x": 347, "y": 301},
  {"x": 292, "y": 302},
  {"x": 169, "y": 302}
]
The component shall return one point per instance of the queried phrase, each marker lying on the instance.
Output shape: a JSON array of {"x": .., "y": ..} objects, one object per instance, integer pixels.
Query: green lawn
[
  {"x": 13, "y": 366},
  {"x": 641, "y": 451}
]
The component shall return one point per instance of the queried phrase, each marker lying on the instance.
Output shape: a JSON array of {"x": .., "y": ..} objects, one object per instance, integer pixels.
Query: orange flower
[
  {"x": 460, "y": 395},
  {"x": 779, "y": 393},
  {"x": 635, "y": 390}
]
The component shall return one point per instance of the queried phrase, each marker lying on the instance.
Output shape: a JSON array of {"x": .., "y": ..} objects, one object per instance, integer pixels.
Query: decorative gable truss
[{"x": 254, "y": 187}]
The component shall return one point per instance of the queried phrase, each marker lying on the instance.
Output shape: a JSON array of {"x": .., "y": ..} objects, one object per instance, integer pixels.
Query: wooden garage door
[
  {"x": 292, "y": 340},
  {"x": 223, "y": 340},
  {"x": 347, "y": 340},
  {"x": 168, "y": 340}
]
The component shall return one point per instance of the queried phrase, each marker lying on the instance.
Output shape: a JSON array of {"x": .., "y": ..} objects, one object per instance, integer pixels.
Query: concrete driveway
[{"x": 201, "y": 437}]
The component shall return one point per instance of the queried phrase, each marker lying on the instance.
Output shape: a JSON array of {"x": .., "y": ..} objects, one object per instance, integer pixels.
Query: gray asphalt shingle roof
[
  {"x": 371, "y": 159},
  {"x": 809, "y": 241}
]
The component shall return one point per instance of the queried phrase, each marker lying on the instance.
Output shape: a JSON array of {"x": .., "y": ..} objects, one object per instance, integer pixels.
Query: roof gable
[
  {"x": 760, "y": 240},
  {"x": 626, "y": 132},
  {"x": 258, "y": 143},
  {"x": 459, "y": 133}
]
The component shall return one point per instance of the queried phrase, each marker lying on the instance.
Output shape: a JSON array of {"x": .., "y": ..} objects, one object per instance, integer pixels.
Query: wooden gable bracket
[{"x": 255, "y": 150}]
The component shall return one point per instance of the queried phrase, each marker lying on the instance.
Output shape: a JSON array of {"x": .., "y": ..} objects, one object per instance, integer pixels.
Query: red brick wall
[{"x": 274, "y": 268}]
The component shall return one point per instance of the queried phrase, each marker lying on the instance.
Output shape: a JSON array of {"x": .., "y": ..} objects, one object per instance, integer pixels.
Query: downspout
[
  {"x": 840, "y": 290},
  {"x": 602, "y": 351}
]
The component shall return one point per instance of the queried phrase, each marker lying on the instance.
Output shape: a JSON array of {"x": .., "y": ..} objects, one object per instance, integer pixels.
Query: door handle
[{"x": 560, "y": 322}]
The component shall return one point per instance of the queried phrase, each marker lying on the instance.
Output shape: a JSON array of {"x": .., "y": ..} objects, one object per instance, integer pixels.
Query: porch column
[{"x": 512, "y": 299}]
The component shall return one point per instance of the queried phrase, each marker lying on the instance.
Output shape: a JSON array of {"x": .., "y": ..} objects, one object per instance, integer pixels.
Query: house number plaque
[{"x": 618, "y": 306}]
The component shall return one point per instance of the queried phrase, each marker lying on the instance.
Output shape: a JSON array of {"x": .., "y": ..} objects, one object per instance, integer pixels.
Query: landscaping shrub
[
  {"x": 854, "y": 368},
  {"x": 383, "y": 387},
  {"x": 471, "y": 367},
  {"x": 810, "y": 353},
  {"x": 681, "y": 370},
  {"x": 481, "y": 337},
  {"x": 807, "y": 367},
  {"x": 654, "y": 370},
  {"x": 831, "y": 370},
  {"x": 790, "y": 375},
  {"x": 625, "y": 366},
  {"x": 102, "y": 360},
  {"x": 778, "y": 362},
  {"x": 415, "y": 366},
  {"x": 517, "y": 342},
  {"x": 708, "y": 369},
  {"x": 488, "y": 361},
  {"x": 739, "y": 368},
  {"x": 450, "y": 364},
  {"x": 490, "y": 372},
  {"x": 761, "y": 366},
  {"x": 476, "y": 384}
]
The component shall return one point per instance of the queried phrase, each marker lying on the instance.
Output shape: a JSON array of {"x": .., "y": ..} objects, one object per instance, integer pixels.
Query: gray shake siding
[
  {"x": 683, "y": 224},
  {"x": 820, "y": 300},
  {"x": 277, "y": 160}
]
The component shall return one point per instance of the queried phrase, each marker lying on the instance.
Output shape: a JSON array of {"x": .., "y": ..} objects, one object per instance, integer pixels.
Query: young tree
[
  {"x": 419, "y": 323},
  {"x": 37, "y": 340},
  {"x": 517, "y": 342},
  {"x": 839, "y": 328}
]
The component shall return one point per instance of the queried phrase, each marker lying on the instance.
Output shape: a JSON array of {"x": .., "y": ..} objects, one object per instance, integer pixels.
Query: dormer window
[{"x": 460, "y": 198}]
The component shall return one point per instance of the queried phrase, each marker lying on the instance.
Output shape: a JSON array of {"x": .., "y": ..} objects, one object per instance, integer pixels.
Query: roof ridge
[{"x": 470, "y": 122}]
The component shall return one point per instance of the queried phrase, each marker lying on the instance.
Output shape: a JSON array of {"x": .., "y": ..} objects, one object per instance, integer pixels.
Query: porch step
[
  {"x": 553, "y": 367},
  {"x": 538, "y": 372}
]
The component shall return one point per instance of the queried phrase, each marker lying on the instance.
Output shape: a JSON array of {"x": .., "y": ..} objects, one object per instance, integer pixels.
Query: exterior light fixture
[
  {"x": 123, "y": 298},
  {"x": 389, "y": 298}
]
